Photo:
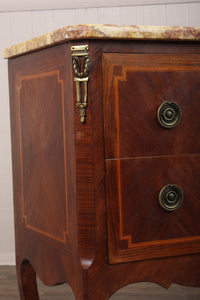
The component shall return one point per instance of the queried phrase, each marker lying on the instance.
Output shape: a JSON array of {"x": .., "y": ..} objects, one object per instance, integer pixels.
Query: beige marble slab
[{"x": 92, "y": 31}]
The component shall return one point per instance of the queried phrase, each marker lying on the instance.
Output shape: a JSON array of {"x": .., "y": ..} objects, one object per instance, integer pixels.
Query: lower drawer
[{"x": 139, "y": 227}]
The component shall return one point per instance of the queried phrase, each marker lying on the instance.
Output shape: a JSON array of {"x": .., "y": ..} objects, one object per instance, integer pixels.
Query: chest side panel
[{"x": 40, "y": 142}]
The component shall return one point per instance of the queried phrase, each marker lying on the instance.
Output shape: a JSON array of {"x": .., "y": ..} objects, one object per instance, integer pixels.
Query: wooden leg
[{"x": 27, "y": 281}]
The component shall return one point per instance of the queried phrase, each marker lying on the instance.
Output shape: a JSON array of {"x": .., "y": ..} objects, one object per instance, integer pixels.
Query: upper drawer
[{"x": 135, "y": 85}]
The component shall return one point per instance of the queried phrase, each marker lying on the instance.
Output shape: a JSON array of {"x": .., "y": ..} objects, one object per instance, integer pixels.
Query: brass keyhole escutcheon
[
  {"x": 170, "y": 197},
  {"x": 169, "y": 114}
]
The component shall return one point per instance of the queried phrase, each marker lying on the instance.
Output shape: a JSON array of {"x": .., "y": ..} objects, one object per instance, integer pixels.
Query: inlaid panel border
[{"x": 60, "y": 82}]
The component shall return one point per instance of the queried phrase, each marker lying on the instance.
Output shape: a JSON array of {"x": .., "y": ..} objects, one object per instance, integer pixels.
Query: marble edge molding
[{"x": 95, "y": 31}]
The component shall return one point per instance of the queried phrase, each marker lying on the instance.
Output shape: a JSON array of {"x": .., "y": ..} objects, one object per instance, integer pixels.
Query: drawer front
[
  {"x": 139, "y": 227},
  {"x": 144, "y": 158},
  {"x": 135, "y": 86}
]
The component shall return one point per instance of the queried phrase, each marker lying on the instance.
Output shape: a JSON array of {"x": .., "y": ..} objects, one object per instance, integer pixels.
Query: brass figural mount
[{"x": 80, "y": 61}]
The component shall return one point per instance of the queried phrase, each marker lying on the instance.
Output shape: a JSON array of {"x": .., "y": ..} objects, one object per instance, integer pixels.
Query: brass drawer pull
[
  {"x": 170, "y": 197},
  {"x": 169, "y": 114}
]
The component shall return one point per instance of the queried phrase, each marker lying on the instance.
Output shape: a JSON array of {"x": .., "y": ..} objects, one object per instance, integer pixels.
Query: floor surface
[{"x": 139, "y": 291}]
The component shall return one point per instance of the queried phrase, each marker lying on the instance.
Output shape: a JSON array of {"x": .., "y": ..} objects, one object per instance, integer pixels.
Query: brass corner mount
[{"x": 80, "y": 62}]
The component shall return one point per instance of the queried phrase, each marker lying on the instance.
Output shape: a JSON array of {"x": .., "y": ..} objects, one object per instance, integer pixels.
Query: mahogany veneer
[{"x": 86, "y": 194}]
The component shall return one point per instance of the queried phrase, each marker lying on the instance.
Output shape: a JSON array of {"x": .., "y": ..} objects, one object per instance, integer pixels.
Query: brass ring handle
[
  {"x": 170, "y": 197},
  {"x": 169, "y": 114}
]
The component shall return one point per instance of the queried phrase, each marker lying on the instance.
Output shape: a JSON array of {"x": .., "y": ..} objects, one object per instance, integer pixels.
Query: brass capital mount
[{"x": 80, "y": 62}]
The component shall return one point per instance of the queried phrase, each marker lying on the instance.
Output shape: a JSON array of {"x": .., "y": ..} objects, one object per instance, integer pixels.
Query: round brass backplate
[
  {"x": 170, "y": 197},
  {"x": 169, "y": 114}
]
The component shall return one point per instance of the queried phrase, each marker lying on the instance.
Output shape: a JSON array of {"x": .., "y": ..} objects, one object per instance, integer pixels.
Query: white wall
[
  {"x": 19, "y": 26},
  {"x": 21, "y": 5}
]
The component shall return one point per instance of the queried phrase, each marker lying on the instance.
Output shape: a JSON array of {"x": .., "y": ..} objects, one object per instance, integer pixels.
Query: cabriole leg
[{"x": 27, "y": 281}]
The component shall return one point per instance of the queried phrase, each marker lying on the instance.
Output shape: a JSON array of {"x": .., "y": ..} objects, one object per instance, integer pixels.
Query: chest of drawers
[{"x": 105, "y": 126}]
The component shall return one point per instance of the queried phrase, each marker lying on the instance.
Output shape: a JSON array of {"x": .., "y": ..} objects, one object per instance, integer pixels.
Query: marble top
[{"x": 93, "y": 31}]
